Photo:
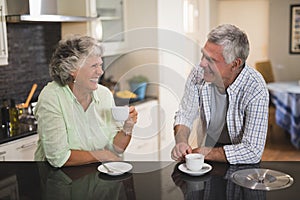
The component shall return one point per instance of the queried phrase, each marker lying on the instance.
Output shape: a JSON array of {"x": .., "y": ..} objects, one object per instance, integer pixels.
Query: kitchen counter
[
  {"x": 23, "y": 130},
  {"x": 29, "y": 127},
  {"x": 147, "y": 180},
  {"x": 123, "y": 102}
]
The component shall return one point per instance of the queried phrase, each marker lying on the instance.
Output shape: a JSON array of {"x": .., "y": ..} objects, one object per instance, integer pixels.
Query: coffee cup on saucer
[{"x": 194, "y": 161}]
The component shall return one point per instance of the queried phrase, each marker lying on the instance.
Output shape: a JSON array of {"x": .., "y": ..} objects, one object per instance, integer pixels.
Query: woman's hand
[
  {"x": 133, "y": 114},
  {"x": 123, "y": 137},
  {"x": 132, "y": 119}
]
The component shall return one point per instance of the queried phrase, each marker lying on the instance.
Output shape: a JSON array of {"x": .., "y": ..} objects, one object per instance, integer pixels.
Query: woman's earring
[{"x": 74, "y": 79}]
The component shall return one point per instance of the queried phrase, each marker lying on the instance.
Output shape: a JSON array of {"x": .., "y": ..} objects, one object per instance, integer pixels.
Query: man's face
[{"x": 216, "y": 70}]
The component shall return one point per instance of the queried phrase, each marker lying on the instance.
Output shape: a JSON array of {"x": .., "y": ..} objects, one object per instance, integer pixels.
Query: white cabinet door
[
  {"x": 19, "y": 150},
  {"x": 111, "y": 25},
  {"x": 144, "y": 143},
  {"x": 3, "y": 35}
]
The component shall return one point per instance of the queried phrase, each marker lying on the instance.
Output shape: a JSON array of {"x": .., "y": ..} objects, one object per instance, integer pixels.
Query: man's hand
[
  {"x": 212, "y": 153},
  {"x": 180, "y": 150}
]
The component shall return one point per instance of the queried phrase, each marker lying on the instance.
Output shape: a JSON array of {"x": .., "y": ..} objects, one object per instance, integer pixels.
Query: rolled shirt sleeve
[
  {"x": 248, "y": 139},
  {"x": 246, "y": 117},
  {"x": 63, "y": 125},
  {"x": 189, "y": 105},
  {"x": 53, "y": 143}
]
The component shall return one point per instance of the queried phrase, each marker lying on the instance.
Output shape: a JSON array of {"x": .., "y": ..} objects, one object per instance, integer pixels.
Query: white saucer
[
  {"x": 206, "y": 168},
  {"x": 118, "y": 168}
]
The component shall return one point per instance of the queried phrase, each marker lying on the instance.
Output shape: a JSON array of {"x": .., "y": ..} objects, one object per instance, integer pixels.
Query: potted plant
[{"x": 138, "y": 85}]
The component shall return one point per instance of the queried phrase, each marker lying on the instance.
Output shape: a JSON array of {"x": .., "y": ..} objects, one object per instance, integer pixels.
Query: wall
[
  {"x": 252, "y": 16},
  {"x": 267, "y": 24},
  {"x": 141, "y": 13},
  {"x": 140, "y": 57},
  {"x": 30, "y": 47},
  {"x": 140, "y": 62},
  {"x": 286, "y": 66}
]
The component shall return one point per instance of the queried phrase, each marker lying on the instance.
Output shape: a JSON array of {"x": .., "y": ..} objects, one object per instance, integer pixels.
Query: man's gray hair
[{"x": 234, "y": 41}]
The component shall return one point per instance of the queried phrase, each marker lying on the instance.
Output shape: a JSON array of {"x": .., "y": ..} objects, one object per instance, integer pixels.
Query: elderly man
[{"x": 230, "y": 99}]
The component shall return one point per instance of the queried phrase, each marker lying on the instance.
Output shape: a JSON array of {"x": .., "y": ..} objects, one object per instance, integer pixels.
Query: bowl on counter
[
  {"x": 124, "y": 101},
  {"x": 125, "y": 97}
]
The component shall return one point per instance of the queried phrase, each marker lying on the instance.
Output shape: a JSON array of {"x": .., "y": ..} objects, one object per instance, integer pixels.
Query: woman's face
[{"x": 87, "y": 75}]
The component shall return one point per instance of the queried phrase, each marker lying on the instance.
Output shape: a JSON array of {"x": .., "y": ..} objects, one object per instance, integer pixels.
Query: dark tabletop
[{"x": 147, "y": 180}]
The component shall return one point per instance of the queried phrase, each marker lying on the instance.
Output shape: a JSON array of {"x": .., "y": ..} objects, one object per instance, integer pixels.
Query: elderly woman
[{"x": 75, "y": 124}]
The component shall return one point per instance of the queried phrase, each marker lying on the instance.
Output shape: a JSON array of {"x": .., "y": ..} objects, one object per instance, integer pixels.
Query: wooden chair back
[{"x": 265, "y": 68}]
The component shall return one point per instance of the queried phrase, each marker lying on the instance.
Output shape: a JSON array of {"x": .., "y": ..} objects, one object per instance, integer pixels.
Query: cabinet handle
[
  {"x": 2, "y": 155},
  {"x": 25, "y": 146}
]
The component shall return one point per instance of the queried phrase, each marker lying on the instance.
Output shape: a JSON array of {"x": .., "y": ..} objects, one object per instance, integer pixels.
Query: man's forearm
[
  {"x": 214, "y": 154},
  {"x": 181, "y": 133}
]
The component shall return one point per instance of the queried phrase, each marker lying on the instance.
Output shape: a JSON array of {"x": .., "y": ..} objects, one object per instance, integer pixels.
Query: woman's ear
[{"x": 74, "y": 74}]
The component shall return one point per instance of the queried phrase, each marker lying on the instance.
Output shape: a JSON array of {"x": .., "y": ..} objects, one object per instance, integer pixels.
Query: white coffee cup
[
  {"x": 120, "y": 113},
  {"x": 194, "y": 161}
]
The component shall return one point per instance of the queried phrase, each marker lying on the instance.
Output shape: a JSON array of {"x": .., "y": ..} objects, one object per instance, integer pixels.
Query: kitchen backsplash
[{"x": 30, "y": 46}]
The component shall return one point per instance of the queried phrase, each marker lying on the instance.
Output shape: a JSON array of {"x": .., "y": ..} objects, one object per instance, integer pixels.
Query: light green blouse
[{"x": 64, "y": 125}]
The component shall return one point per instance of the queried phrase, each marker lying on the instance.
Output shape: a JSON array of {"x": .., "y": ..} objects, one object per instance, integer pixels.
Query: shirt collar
[
  {"x": 95, "y": 96},
  {"x": 238, "y": 83}
]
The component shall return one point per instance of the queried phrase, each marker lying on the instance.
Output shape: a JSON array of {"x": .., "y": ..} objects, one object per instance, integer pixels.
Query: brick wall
[{"x": 30, "y": 46}]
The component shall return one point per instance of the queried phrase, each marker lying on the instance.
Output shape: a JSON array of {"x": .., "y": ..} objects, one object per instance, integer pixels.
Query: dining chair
[{"x": 266, "y": 70}]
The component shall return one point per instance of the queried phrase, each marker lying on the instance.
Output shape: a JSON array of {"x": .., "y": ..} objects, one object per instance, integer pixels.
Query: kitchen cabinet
[
  {"x": 163, "y": 55},
  {"x": 109, "y": 27},
  {"x": 144, "y": 144},
  {"x": 3, "y": 35},
  {"x": 19, "y": 150}
]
